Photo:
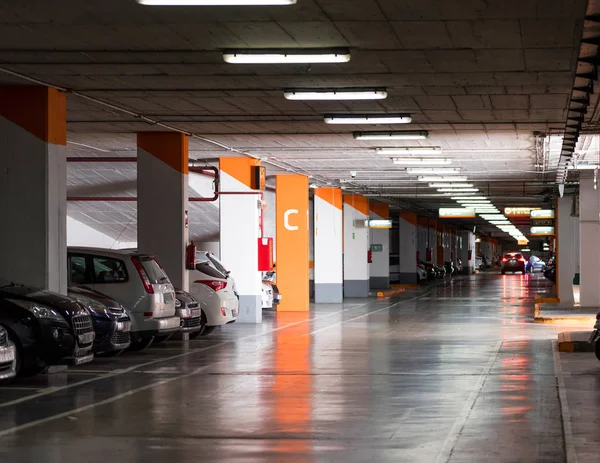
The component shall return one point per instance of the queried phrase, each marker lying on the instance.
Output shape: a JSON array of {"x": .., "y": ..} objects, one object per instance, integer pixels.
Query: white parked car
[
  {"x": 421, "y": 274},
  {"x": 212, "y": 284}
]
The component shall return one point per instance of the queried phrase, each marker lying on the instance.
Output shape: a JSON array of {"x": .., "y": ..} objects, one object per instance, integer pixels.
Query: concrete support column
[
  {"x": 240, "y": 221},
  {"x": 408, "y": 247},
  {"x": 379, "y": 270},
  {"x": 433, "y": 242},
  {"x": 162, "y": 188},
  {"x": 292, "y": 242},
  {"x": 589, "y": 229},
  {"x": 33, "y": 187},
  {"x": 356, "y": 245},
  {"x": 567, "y": 236},
  {"x": 328, "y": 244},
  {"x": 466, "y": 251}
]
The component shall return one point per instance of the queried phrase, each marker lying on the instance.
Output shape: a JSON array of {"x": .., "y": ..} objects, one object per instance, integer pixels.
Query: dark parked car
[
  {"x": 430, "y": 269},
  {"x": 111, "y": 322},
  {"x": 46, "y": 328},
  {"x": 513, "y": 262},
  {"x": 8, "y": 357}
]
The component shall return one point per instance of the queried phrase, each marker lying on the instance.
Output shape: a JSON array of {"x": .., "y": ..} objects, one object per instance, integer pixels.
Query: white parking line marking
[
  {"x": 185, "y": 354},
  {"x": 168, "y": 380},
  {"x": 570, "y": 451},
  {"x": 461, "y": 421}
]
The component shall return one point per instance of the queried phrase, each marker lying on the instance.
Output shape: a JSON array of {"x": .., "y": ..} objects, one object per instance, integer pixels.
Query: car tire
[
  {"x": 207, "y": 330},
  {"x": 597, "y": 350},
  {"x": 21, "y": 369},
  {"x": 140, "y": 344},
  {"x": 163, "y": 338}
]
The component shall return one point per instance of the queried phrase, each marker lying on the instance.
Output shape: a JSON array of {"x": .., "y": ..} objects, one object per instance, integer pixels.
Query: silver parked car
[
  {"x": 133, "y": 279},
  {"x": 8, "y": 357}
]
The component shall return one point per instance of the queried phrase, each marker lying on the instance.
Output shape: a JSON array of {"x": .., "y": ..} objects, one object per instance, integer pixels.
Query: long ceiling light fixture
[
  {"x": 291, "y": 56},
  {"x": 450, "y": 185},
  {"x": 350, "y": 94},
  {"x": 411, "y": 150},
  {"x": 432, "y": 170},
  {"x": 479, "y": 202},
  {"x": 368, "y": 119},
  {"x": 215, "y": 2},
  {"x": 421, "y": 161},
  {"x": 456, "y": 190},
  {"x": 437, "y": 178},
  {"x": 464, "y": 196},
  {"x": 406, "y": 135}
]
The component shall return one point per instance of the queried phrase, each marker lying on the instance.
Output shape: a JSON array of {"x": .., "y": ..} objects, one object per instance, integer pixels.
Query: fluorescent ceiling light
[
  {"x": 434, "y": 178},
  {"x": 421, "y": 161},
  {"x": 215, "y": 2},
  {"x": 583, "y": 167},
  {"x": 499, "y": 222},
  {"x": 356, "y": 94},
  {"x": 412, "y": 150},
  {"x": 455, "y": 190},
  {"x": 294, "y": 56},
  {"x": 450, "y": 185},
  {"x": 475, "y": 202},
  {"x": 433, "y": 170},
  {"x": 466, "y": 196},
  {"x": 492, "y": 216},
  {"x": 417, "y": 135},
  {"x": 368, "y": 119}
]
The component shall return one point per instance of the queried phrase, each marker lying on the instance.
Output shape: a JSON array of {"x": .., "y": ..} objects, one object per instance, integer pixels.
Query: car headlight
[
  {"x": 40, "y": 311},
  {"x": 177, "y": 303},
  {"x": 92, "y": 304}
]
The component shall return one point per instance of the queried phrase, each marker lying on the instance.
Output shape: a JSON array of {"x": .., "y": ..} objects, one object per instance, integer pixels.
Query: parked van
[{"x": 136, "y": 281}]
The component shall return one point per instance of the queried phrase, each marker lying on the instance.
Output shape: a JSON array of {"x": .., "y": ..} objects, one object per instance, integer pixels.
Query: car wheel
[
  {"x": 140, "y": 344},
  {"x": 597, "y": 350},
  {"x": 159, "y": 339},
  {"x": 207, "y": 330},
  {"x": 24, "y": 369}
]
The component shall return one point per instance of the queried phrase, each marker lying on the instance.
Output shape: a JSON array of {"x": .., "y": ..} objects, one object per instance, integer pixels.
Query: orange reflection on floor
[{"x": 292, "y": 388}]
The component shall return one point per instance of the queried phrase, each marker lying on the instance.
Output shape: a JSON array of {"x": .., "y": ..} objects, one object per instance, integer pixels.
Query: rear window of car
[
  {"x": 513, "y": 255},
  {"x": 217, "y": 264},
  {"x": 109, "y": 270},
  {"x": 153, "y": 271},
  {"x": 207, "y": 268}
]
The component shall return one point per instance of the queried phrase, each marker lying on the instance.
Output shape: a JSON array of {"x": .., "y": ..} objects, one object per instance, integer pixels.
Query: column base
[
  {"x": 356, "y": 288},
  {"x": 250, "y": 309},
  {"x": 329, "y": 293},
  {"x": 408, "y": 278},
  {"x": 380, "y": 282}
]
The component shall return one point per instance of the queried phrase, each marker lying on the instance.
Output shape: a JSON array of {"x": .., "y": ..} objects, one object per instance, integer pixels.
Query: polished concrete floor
[{"x": 447, "y": 373}]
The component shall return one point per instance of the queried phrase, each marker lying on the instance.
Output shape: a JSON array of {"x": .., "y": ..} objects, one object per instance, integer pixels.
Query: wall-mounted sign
[
  {"x": 457, "y": 213},
  {"x": 377, "y": 248},
  {"x": 379, "y": 223},
  {"x": 522, "y": 242},
  {"x": 542, "y": 214},
  {"x": 542, "y": 222},
  {"x": 542, "y": 231},
  {"x": 519, "y": 211}
]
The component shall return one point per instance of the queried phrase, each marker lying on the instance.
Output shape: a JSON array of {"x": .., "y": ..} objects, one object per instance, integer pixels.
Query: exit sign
[{"x": 377, "y": 248}]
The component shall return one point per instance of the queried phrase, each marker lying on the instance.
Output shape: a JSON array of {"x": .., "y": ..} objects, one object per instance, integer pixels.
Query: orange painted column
[
  {"x": 292, "y": 242},
  {"x": 240, "y": 229},
  {"x": 33, "y": 184},
  {"x": 163, "y": 213}
]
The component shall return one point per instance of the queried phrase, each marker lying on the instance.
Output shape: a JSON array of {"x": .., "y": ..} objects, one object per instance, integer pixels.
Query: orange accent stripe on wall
[
  {"x": 239, "y": 168},
  {"x": 169, "y": 147},
  {"x": 331, "y": 195},
  {"x": 381, "y": 209},
  {"x": 358, "y": 202},
  {"x": 41, "y": 111},
  {"x": 410, "y": 217}
]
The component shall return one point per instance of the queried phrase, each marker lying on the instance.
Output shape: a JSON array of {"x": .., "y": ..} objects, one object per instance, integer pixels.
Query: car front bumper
[
  {"x": 8, "y": 362},
  {"x": 190, "y": 320}
]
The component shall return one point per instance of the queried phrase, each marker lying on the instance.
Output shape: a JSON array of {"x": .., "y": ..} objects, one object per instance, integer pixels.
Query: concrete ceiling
[{"x": 488, "y": 80}]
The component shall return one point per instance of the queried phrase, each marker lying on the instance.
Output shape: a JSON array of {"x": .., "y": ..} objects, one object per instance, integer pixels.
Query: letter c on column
[{"x": 286, "y": 219}]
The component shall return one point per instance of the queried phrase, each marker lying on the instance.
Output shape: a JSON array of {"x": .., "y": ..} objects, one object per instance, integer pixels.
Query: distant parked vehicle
[
  {"x": 430, "y": 269},
  {"x": 8, "y": 357},
  {"x": 512, "y": 262},
  {"x": 421, "y": 274},
  {"x": 550, "y": 272},
  {"x": 46, "y": 328},
  {"x": 212, "y": 284},
  {"x": 450, "y": 269},
  {"x": 270, "y": 292},
  {"x": 595, "y": 336},
  {"x": 136, "y": 281},
  {"x": 535, "y": 264},
  {"x": 111, "y": 322},
  {"x": 189, "y": 313}
]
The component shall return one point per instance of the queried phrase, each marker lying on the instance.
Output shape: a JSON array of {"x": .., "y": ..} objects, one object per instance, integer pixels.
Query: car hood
[
  {"x": 56, "y": 301},
  {"x": 184, "y": 296},
  {"x": 97, "y": 296}
]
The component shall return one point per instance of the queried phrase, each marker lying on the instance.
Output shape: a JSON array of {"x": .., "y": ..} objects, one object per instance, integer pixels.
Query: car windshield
[{"x": 155, "y": 273}]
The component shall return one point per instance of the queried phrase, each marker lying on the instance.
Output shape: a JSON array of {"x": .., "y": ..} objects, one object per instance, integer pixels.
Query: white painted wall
[
  {"x": 380, "y": 267},
  {"x": 356, "y": 245},
  {"x": 589, "y": 229},
  {"x": 327, "y": 243},
  {"x": 568, "y": 249}
]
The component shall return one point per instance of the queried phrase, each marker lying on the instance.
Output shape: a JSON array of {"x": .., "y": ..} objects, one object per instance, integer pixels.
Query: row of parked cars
[{"x": 117, "y": 300}]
